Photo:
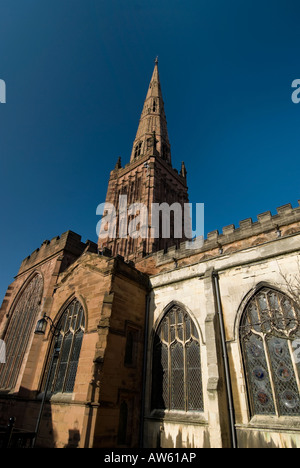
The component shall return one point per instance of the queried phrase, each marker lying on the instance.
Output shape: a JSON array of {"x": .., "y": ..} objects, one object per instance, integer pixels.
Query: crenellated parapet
[
  {"x": 249, "y": 233},
  {"x": 68, "y": 242}
]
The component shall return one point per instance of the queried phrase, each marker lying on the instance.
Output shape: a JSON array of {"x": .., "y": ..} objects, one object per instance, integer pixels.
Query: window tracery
[
  {"x": 20, "y": 328},
  {"x": 69, "y": 342},
  {"x": 270, "y": 336},
  {"x": 177, "y": 377}
]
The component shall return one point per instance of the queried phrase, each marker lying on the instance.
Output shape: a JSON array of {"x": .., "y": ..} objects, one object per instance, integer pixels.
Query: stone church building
[{"x": 148, "y": 343}]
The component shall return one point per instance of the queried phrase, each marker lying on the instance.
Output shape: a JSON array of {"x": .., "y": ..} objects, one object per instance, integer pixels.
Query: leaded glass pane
[
  {"x": 173, "y": 332},
  {"x": 187, "y": 327},
  {"x": 69, "y": 342},
  {"x": 165, "y": 330},
  {"x": 254, "y": 317},
  {"x": 284, "y": 377},
  {"x": 165, "y": 376},
  {"x": 172, "y": 319},
  {"x": 176, "y": 373},
  {"x": 262, "y": 302},
  {"x": 177, "y": 377},
  {"x": 180, "y": 331},
  {"x": 179, "y": 317},
  {"x": 273, "y": 300},
  {"x": 68, "y": 320},
  {"x": 265, "y": 312},
  {"x": 258, "y": 376},
  {"x": 194, "y": 377},
  {"x": 63, "y": 362},
  {"x": 73, "y": 364},
  {"x": 289, "y": 314},
  {"x": 58, "y": 344},
  {"x": 63, "y": 322}
]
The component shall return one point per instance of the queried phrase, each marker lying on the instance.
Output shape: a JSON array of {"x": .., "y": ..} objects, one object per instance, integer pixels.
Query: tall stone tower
[{"x": 149, "y": 179}]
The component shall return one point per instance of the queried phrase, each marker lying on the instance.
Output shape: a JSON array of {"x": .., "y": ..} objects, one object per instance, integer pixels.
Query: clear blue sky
[{"x": 77, "y": 72}]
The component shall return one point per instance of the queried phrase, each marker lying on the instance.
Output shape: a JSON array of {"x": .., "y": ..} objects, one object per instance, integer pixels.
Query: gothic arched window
[
  {"x": 176, "y": 376},
  {"x": 20, "y": 328},
  {"x": 69, "y": 341},
  {"x": 270, "y": 337}
]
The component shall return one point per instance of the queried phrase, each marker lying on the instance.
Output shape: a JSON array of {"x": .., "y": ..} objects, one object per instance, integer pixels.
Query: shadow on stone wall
[
  {"x": 164, "y": 441},
  {"x": 26, "y": 411},
  {"x": 74, "y": 439},
  {"x": 253, "y": 439}
]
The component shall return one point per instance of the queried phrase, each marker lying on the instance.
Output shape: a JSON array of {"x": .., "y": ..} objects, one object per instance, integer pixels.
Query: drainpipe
[
  {"x": 141, "y": 438},
  {"x": 226, "y": 360}
]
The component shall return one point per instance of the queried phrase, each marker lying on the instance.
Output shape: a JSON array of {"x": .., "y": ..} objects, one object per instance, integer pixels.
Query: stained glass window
[
  {"x": 177, "y": 378},
  {"x": 20, "y": 328},
  {"x": 69, "y": 341},
  {"x": 270, "y": 337}
]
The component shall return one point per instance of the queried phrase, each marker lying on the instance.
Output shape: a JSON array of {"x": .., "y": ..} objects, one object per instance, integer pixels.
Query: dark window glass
[
  {"x": 177, "y": 377},
  {"x": 69, "y": 343}
]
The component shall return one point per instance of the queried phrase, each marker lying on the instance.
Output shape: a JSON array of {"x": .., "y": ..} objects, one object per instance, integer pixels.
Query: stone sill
[
  {"x": 178, "y": 416},
  {"x": 272, "y": 423},
  {"x": 61, "y": 399}
]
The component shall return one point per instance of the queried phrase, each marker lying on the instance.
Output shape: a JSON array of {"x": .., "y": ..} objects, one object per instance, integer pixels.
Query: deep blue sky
[{"x": 77, "y": 72}]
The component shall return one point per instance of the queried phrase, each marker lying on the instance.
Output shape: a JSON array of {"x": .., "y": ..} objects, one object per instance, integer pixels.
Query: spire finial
[{"x": 156, "y": 60}]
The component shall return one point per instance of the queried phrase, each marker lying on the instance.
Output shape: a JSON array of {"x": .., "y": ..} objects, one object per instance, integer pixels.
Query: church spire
[
  {"x": 152, "y": 122},
  {"x": 149, "y": 179}
]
